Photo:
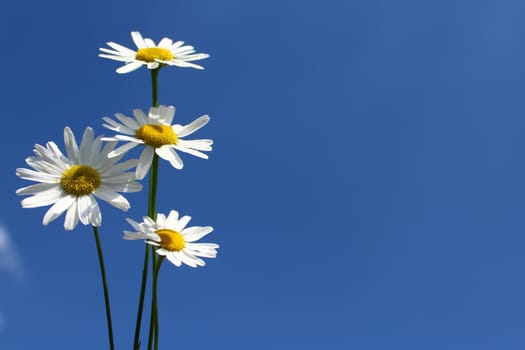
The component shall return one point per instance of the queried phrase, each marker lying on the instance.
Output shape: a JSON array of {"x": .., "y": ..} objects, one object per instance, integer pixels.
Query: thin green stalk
[
  {"x": 152, "y": 209},
  {"x": 152, "y": 213},
  {"x": 153, "y": 316},
  {"x": 154, "y": 173},
  {"x": 152, "y": 204},
  {"x": 155, "y": 86},
  {"x": 105, "y": 284},
  {"x": 159, "y": 262},
  {"x": 154, "y": 320},
  {"x": 136, "y": 339}
]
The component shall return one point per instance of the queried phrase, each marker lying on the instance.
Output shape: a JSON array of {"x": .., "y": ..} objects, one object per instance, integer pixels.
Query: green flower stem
[
  {"x": 155, "y": 86},
  {"x": 152, "y": 213},
  {"x": 154, "y": 321},
  {"x": 105, "y": 284},
  {"x": 152, "y": 201},
  {"x": 153, "y": 176},
  {"x": 136, "y": 339},
  {"x": 159, "y": 262}
]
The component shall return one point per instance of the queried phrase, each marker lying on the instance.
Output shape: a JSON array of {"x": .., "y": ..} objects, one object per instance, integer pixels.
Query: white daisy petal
[
  {"x": 44, "y": 198},
  {"x": 133, "y": 223},
  {"x": 140, "y": 116},
  {"x": 69, "y": 183},
  {"x": 95, "y": 216},
  {"x": 152, "y": 65},
  {"x": 114, "y": 199},
  {"x": 114, "y": 126},
  {"x": 172, "y": 218},
  {"x": 127, "y": 121},
  {"x": 166, "y": 114},
  {"x": 157, "y": 135},
  {"x": 35, "y": 189},
  {"x": 85, "y": 145},
  {"x": 149, "y": 42},
  {"x": 192, "y": 234},
  {"x": 127, "y": 187},
  {"x": 71, "y": 145},
  {"x": 122, "y": 149},
  {"x": 125, "y": 138},
  {"x": 191, "y": 260},
  {"x": 167, "y": 153},
  {"x": 55, "y": 152},
  {"x": 45, "y": 164},
  {"x": 173, "y": 258},
  {"x": 72, "y": 217},
  {"x": 184, "y": 49},
  {"x": 130, "y": 67},
  {"x": 83, "y": 206},
  {"x": 111, "y": 53},
  {"x": 194, "y": 126},
  {"x": 132, "y": 236},
  {"x": 181, "y": 224},
  {"x": 121, "y": 167},
  {"x": 184, "y": 64},
  {"x": 32, "y": 175},
  {"x": 58, "y": 208},
  {"x": 195, "y": 57},
  {"x": 166, "y": 52},
  {"x": 144, "y": 163},
  {"x": 149, "y": 222},
  {"x": 174, "y": 241},
  {"x": 116, "y": 58},
  {"x": 120, "y": 179},
  {"x": 108, "y": 147},
  {"x": 176, "y": 45},
  {"x": 165, "y": 43},
  {"x": 201, "y": 145},
  {"x": 190, "y": 151},
  {"x": 161, "y": 220},
  {"x": 138, "y": 40},
  {"x": 120, "y": 48},
  {"x": 202, "y": 250}
]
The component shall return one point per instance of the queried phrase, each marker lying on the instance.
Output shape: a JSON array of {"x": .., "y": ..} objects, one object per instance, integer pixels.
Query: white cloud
[
  {"x": 9, "y": 263},
  {"x": 9, "y": 260}
]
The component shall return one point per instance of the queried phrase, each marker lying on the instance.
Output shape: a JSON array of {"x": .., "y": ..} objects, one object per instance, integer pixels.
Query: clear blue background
[{"x": 366, "y": 185}]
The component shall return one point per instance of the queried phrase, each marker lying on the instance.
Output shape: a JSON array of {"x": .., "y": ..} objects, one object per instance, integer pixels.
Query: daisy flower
[
  {"x": 175, "y": 241},
  {"x": 166, "y": 52},
  {"x": 71, "y": 183},
  {"x": 158, "y": 135}
]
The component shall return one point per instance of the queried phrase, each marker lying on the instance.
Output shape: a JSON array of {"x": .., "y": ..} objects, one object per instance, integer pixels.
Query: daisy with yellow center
[
  {"x": 71, "y": 183},
  {"x": 174, "y": 240},
  {"x": 156, "y": 133},
  {"x": 152, "y": 55}
]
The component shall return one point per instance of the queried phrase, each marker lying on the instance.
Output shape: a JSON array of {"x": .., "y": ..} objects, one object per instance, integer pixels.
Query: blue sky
[{"x": 366, "y": 183}]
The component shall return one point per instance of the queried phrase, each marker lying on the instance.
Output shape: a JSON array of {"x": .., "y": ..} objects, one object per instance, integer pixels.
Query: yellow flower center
[
  {"x": 171, "y": 240},
  {"x": 150, "y": 54},
  {"x": 157, "y": 135},
  {"x": 80, "y": 180}
]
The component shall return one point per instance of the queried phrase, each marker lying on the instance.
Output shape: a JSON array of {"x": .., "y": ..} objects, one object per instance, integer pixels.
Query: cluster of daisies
[{"x": 72, "y": 182}]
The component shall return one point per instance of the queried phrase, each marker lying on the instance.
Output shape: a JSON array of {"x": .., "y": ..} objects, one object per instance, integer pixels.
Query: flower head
[
  {"x": 174, "y": 240},
  {"x": 72, "y": 182},
  {"x": 158, "y": 135},
  {"x": 166, "y": 52}
]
